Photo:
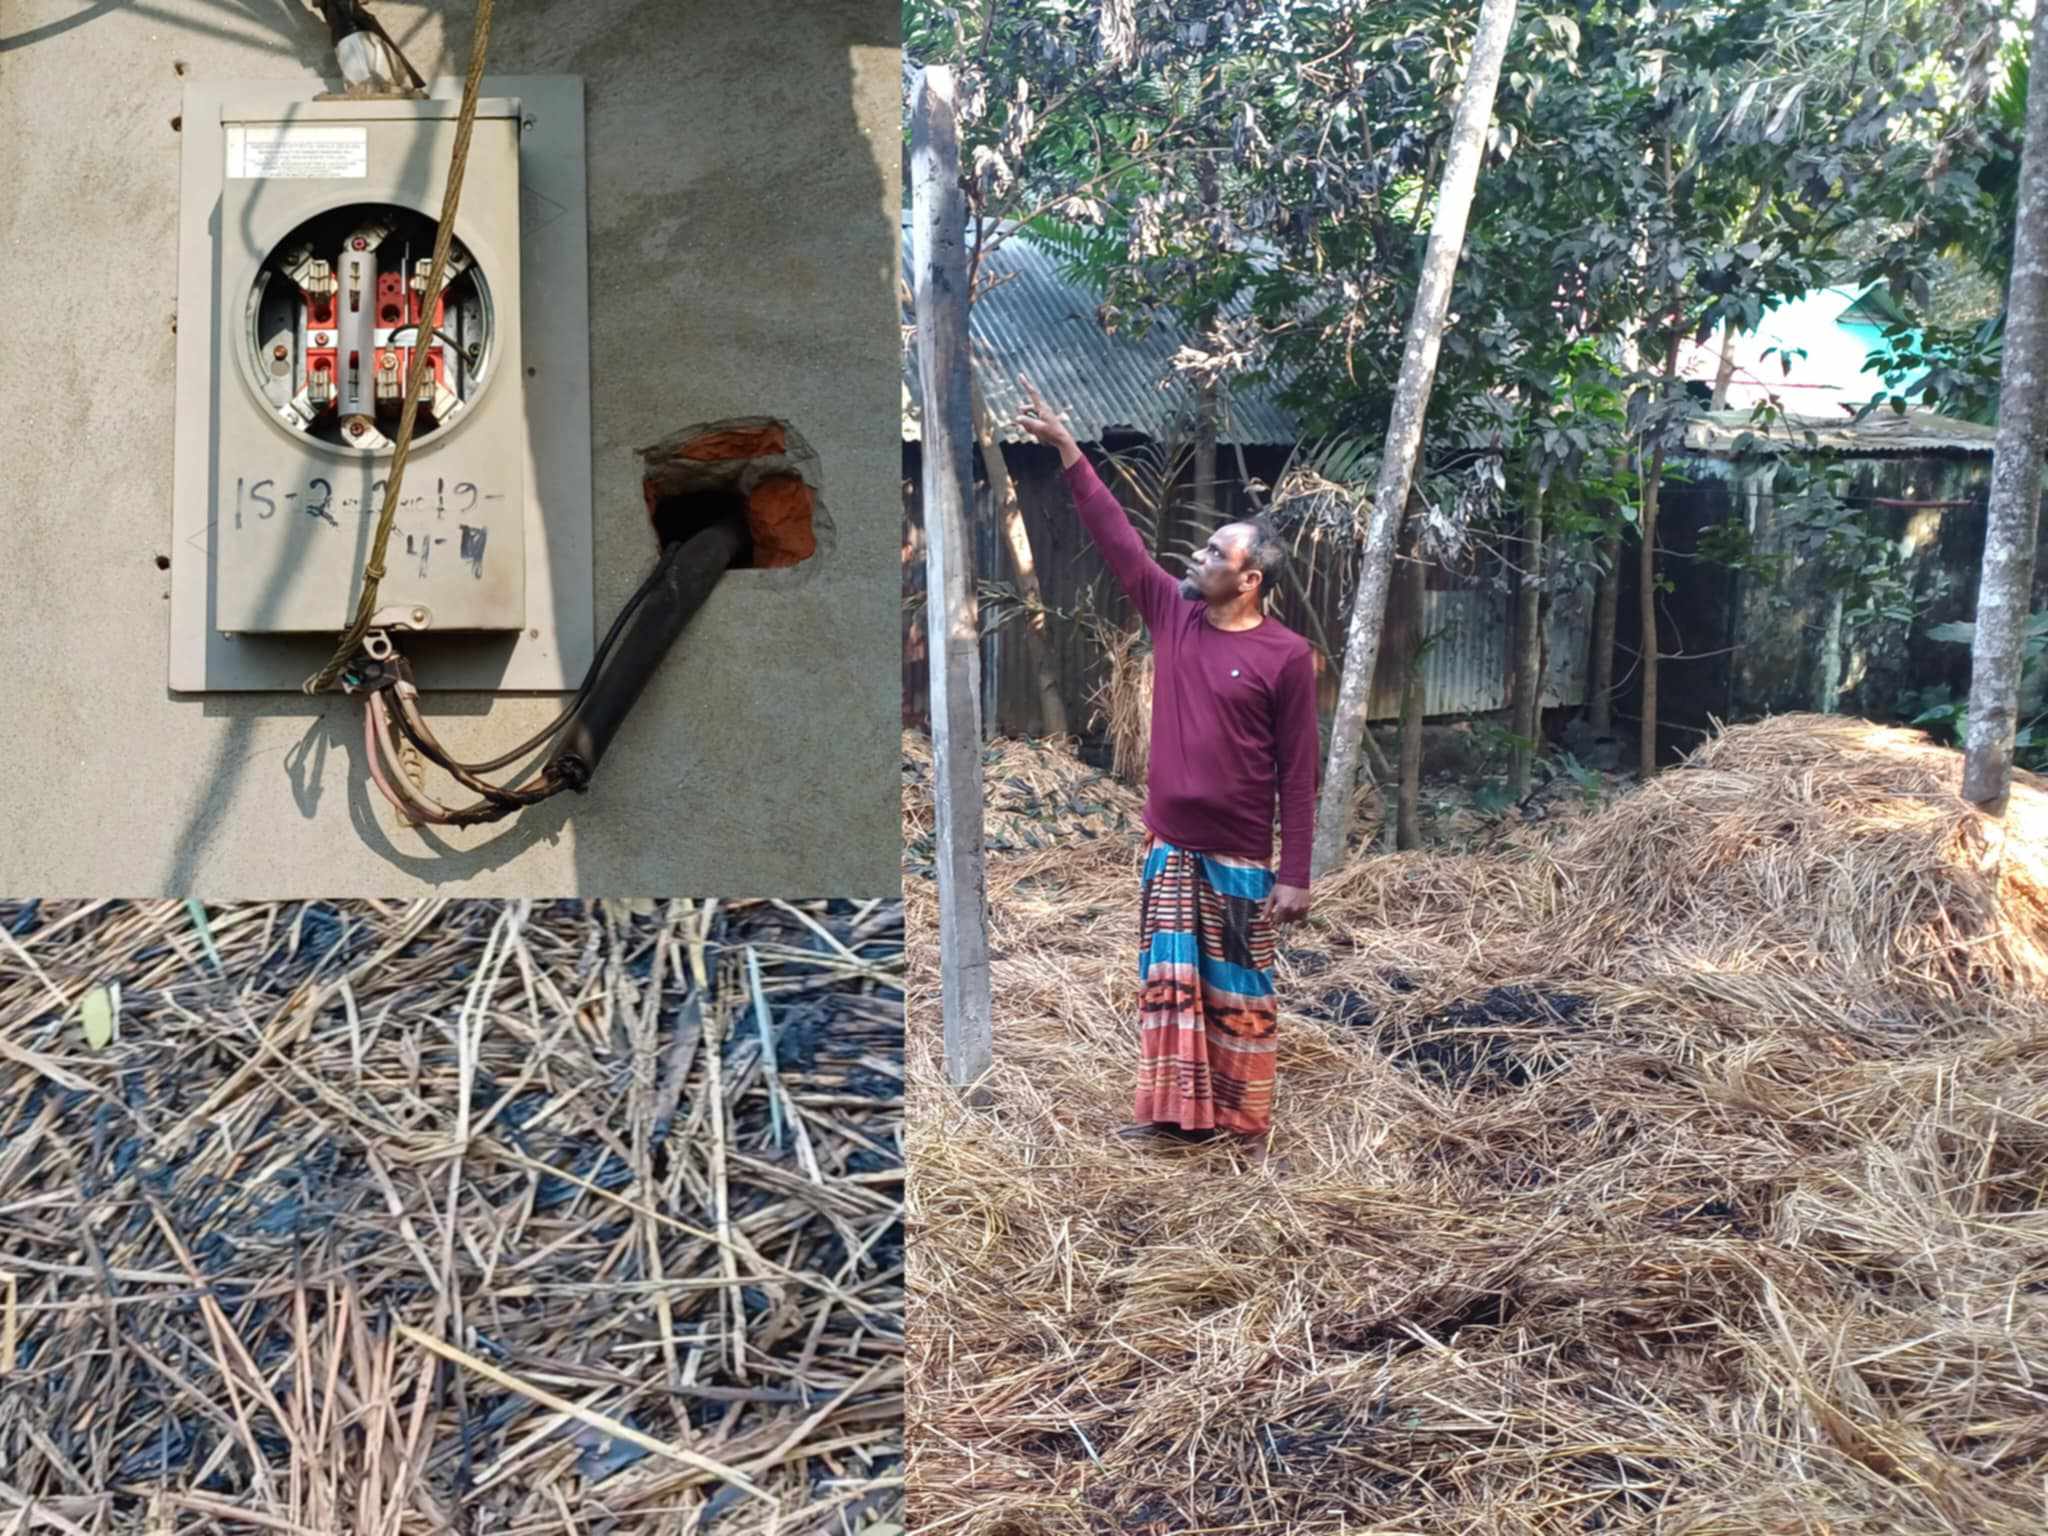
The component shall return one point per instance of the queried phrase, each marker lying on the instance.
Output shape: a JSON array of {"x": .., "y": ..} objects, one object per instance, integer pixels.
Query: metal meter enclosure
[{"x": 321, "y": 227}]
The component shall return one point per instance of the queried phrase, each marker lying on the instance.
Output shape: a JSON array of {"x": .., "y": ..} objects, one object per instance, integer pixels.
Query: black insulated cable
[{"x": 666, "y": 602}]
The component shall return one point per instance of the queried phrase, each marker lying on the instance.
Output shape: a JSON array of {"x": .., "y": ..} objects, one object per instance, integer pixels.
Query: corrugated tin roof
[
  {"x": 1883, "y": 432},
  {"x": 1036, "y": 322}
]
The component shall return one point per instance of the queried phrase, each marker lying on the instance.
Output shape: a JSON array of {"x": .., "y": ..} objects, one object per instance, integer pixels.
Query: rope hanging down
[{"x": 373, "y": 570}]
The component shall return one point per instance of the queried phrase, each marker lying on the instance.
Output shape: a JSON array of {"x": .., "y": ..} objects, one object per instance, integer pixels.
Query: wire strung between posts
[{"x": 373, "y": 570}]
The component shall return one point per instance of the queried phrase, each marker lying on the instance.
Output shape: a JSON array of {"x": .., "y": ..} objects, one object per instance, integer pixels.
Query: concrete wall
[{"x": 744, "y": 194}]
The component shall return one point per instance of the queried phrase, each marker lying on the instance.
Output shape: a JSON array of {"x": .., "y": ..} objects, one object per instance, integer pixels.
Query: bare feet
[{"x": 1258, "y": 1151}]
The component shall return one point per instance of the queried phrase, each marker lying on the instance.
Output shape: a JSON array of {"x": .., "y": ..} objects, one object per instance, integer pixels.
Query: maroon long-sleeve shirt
[{"x": 1233, "y": 711}]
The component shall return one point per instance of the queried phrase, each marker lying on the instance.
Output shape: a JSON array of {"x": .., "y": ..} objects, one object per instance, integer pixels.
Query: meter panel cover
[{"x": 327, "y": 226}]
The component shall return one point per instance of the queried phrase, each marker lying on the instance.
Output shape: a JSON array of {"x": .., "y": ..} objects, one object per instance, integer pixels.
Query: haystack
[
  {"x": 1123, "y": 702},
  {"x": 1687, "y": 1174},
  {"x": 450, "y": 1216},
  {"x": 1036, "y": 797}
]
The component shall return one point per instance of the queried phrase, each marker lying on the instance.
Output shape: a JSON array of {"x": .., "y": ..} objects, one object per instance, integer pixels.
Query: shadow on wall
[{"x": 281, "y": 27}]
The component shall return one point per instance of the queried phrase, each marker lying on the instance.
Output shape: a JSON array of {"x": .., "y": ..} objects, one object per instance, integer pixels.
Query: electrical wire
[
  {"x": 398, "y": 53},
  {"x": 421, "y": 736},
  {"x": 444, "y": 234},
  {"x": 380, "y": 746},
  {"x": 399, "y": 715},
  {"x": 575, "y": 740},
  {"x": 435, "y": 331},
  {"x": 546, "y": 735},
  {"x": 346, "y": 16}
]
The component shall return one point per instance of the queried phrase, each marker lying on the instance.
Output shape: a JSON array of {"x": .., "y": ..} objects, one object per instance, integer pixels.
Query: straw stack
[
  {"x": 1123, "y": 701},
  {"x": 1688, "y": 1173},
  {"x": 450, "y": 1216},
  {"x": 1037, "y": 797}
]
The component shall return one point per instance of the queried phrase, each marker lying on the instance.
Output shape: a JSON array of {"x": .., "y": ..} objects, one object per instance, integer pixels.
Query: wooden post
[{"x": 952, "y": 624}]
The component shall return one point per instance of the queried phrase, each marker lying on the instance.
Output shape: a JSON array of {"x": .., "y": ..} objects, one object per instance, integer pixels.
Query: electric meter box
[{"x": 323, "y": 226}]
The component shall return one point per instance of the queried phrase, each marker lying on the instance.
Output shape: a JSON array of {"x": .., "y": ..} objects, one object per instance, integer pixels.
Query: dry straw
[
  {"x": 381, "y": 1219},
  {"x": 1688, "y": 1173},
  {"x": 1123, "y": 701}
]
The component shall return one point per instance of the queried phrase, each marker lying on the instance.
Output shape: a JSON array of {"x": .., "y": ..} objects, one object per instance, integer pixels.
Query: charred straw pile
[
  {"x": 1036, "y": 797},
  {"x": 451, "y": 1216},
  {"x": 1689, "y": 1173}
]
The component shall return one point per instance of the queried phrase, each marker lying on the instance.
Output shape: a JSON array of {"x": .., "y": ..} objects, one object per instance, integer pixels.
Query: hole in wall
[
  {"x": 686, "y": 513},
  {"x": 163, "y": 562},
  {"x": 755, "y": 467}
]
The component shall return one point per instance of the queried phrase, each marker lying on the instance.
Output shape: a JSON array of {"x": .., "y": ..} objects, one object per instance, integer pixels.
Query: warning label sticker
[{"x": 259, "y": 153}]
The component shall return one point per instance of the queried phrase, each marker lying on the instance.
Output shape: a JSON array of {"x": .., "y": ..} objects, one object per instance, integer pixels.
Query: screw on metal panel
[
  {"x": 419, "y": 615},
  {"x": 280, "y": 352},
  {"x": 355, "y": 429},
  {"x": 526, "y": 123},
  {"x": 359, "y": 243},
  {"x": 390, "y": 361},
  {"x": 320, "y": 338}
]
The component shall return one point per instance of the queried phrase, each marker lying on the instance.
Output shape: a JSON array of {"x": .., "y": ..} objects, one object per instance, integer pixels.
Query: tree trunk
[
  {"x": 1828, "y": 695},
  {"x": 1998, "y": 650},
  {"x": 1724, "y": 371},
  {"x": 939, "y": 269},
  {"x": 1528, "y": 716},
  {"x": 1653, "y": 485},
  {"x": 1606, "y": 604},
  {"x": 1404, "y": 426},
  {"x": 1205, "y": 451},
  {"x": 1646, "y": 762},
  {"x": 1052, "y": 708},
  {"x": 1408, "y": 822}
]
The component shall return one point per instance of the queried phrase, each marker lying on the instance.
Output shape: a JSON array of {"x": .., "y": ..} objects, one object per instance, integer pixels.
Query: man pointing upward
[{"x": 1233, "y": 734}]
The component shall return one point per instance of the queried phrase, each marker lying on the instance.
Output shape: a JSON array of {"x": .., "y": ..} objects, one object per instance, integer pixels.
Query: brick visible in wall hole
[
  {"x": 755, "y": 467},
  {"x": 779, "y": 516},
  {"x": 739, "y": 443}
]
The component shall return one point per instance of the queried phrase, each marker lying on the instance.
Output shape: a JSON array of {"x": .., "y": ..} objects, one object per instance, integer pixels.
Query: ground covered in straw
[
  {"x": 454, "y": 1216},
  {"x": 1685, "y": 1172}
]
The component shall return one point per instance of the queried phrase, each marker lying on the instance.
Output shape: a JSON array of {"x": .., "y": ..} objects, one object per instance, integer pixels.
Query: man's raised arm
[{"x": 1150, "y": 588}]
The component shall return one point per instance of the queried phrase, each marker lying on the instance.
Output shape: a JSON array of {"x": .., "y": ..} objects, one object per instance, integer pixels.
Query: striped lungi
[{"x": 1206, "y": 1013}]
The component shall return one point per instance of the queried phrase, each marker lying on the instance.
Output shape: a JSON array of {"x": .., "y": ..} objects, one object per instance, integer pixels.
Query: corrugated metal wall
[
  {"x": 1465, "y": 672},
  {"x": 1030, "y": 319}
]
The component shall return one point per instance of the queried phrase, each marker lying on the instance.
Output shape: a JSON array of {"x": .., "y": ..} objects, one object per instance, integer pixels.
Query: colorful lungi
[{"x": 1207, "y": 1013}]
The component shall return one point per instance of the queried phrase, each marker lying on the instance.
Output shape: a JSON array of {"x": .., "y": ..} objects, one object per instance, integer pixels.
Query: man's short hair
[{"x": 1264, "y": 552}]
